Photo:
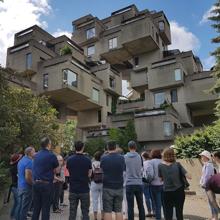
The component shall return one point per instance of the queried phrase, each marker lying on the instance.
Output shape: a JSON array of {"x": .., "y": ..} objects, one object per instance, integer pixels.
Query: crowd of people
[{"x": 114, "y": 180}]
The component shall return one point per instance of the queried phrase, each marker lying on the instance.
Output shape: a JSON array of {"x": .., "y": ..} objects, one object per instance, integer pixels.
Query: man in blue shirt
[
  {"x": 113, "y": 166},
  {"x": 80, "y": 170},
  {"x": 43, "y": 174},
  {"x": 25, "y": 183}
]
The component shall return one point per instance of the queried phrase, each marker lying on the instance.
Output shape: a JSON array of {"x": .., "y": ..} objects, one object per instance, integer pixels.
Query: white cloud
[
  {"x": 206, "y": 15},
  {"x": 182, "y": 38},
  {"x": 60, "y": 32},
  {"x": 16, "y": 16},
  {"x": 208, "y": 62}
]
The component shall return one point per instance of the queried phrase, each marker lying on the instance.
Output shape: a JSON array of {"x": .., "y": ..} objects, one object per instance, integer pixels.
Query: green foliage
[
  {"x": 65, "y": 50},
  {"x": 205, "y": 139},
  {"x": 68, "y": 135},
  {"x": 25, "y": 118},
  {"x": 4, "y": 176},
  {"x": 123, "y": 136},
  {"x": 216, "y": 25},
  {"x": 93, "y": 145}
]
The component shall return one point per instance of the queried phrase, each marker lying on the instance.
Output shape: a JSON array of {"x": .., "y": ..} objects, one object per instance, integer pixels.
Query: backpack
[
  {"x": 148, "y": 176},
  {"x": 97, "y": 174}
]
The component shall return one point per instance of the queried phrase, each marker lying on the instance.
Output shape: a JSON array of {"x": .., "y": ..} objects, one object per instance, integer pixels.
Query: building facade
[{"x": 83, "y": 76}]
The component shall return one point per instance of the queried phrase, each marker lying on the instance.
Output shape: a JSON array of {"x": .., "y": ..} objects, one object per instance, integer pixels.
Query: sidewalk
[{"x": 196, "y": 208}]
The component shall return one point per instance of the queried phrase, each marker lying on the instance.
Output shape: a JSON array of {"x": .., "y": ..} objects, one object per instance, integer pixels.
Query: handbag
[{"x": 183, "y": 177}]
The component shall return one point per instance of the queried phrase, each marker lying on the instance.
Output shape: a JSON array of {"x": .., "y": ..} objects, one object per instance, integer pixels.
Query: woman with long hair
[{"x": 173, "y": 175}]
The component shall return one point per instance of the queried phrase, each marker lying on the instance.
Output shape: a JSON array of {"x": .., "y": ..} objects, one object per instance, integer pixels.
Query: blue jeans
[
  {"x": 131, "y": 192},
  {"x": 14, "y": 210},
  {"x": 42, "y": 198},
  {"x": 148, "y": 198},
  {"x": 157, "y": 200},
  {"x": 24, "y": 201}
]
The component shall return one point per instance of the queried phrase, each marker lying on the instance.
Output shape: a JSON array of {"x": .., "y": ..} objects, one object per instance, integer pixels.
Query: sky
[{"x": 190, "y": 28}]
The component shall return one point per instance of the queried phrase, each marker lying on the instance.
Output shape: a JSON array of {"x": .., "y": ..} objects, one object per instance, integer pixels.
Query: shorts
[{"x": 112, "y": 200}]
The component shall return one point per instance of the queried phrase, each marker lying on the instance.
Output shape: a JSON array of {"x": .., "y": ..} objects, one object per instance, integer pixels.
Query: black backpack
[{"x": 97, "y": 174}]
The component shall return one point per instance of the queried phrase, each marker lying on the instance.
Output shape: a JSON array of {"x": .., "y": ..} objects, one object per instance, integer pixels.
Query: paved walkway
[{"x": 196, "y": 208}]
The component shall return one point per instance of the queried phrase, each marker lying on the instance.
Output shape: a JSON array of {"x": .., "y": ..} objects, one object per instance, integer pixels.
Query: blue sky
[{"x": 190, "y": 28}]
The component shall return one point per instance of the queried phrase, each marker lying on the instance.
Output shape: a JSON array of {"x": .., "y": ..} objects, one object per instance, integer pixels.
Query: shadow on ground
[{"x": 193, "y": 217}]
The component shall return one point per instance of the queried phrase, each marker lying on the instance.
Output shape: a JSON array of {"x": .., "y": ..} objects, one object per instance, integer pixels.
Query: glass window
[
  {"x": 99, "y": 116},
  {"x": 159, "y": 98},
  {"x": 173, "y": 94},
  {"x": 95, "y": 95},
  {"x": 167, "y": 128},
  {"x": 69, "y": 78},
  {"x": 28, "y": 61},
  {"x": 178, "y": 75},
  {"x": 112, "y": 82},
  {"x": 91, "y": 50},
  {"x": 136, "y": 61},
  {"x": 90, "y": 33},
  {"x": 113, "y": 43},
  {"x": 161, "y": 25},
  {"x": 45, "y": 81}
]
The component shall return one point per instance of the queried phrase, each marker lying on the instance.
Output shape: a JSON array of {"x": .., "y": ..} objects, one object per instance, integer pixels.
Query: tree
[
  {"x": 94, "y": 145},
  {"x": 190, "y": 146},
  {"x": 123, "y": 136},
  {"x": 25, "y": 118},
  {"x": 216, "y": 25},
  {"x": 68, "y": 134}
]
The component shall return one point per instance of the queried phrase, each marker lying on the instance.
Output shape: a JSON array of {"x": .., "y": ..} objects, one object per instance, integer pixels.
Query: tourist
[
  {"x": 113, "y": 166},
  {"x": 216, "y": 158},
  {"x": 25, "y": 183},
  {"x": 207, "y": 172},
  {"x": 14, "y": 183},
  {"x": 43, "y": 174},
  {"x": 80, "y": 170},
  {"x": 146, "y": 184},
  {"x": 212, "y": 188},
  {"x": 58, "y": 181},
  {"x": 156, "y": 185},
  {"x": 96, "y": 185},
  {"x": 172, "y": 174},
  {"x": 134, "y": 184}
]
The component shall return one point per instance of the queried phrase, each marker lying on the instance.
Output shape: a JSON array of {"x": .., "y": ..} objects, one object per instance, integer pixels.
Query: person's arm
[
  {"x": 90, "y": 169},
  {"x": 28, "y": 176}
]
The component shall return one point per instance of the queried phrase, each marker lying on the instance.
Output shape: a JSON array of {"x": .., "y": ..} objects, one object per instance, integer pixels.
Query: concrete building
[{"x": 167, "y": 86}]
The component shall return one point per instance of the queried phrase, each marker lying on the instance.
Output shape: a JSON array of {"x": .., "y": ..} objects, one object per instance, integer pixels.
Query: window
[
  {"x": 161, "y": 25},
  {"x": 28, "y": 61},
  {"x": 45, "y": 81},
  {"x": 99, "y": 116},
  {"x": 159, "y": 98},
  {"x": 167, "y": 128},
  {"x": 136, "y": 61},
  {"x": 69, "y": 78},
  {"x": 173, "y": 95},
  {"x": 178, "y": 75},
  {"x": 90, "y": 33},
  {"x": 95, "y": 95},
  {"x": 112, "y": 82},
  {"x": 113, "y": 43},
  {"x": 91, "y": 50}
]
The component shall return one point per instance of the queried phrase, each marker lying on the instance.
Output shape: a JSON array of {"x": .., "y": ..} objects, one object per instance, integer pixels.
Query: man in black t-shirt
[
  {"x": 113, "y": 166},
  {"x": 80, "y": 170}
]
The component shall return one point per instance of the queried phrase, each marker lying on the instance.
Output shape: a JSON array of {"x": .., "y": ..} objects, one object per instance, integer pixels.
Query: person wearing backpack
[
  {"x": 96, "y": 185},
  {"x": 147, "y": 179}
]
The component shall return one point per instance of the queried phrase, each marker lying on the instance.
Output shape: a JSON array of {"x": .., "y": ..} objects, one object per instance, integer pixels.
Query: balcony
[
  {"x": 130, "y": 105},
  {"x": 134, "y": 36},
  {"x": 156, "y": 125},
  {"x": 139, "y": 79},
  {"x": 165, "y": 74}
]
